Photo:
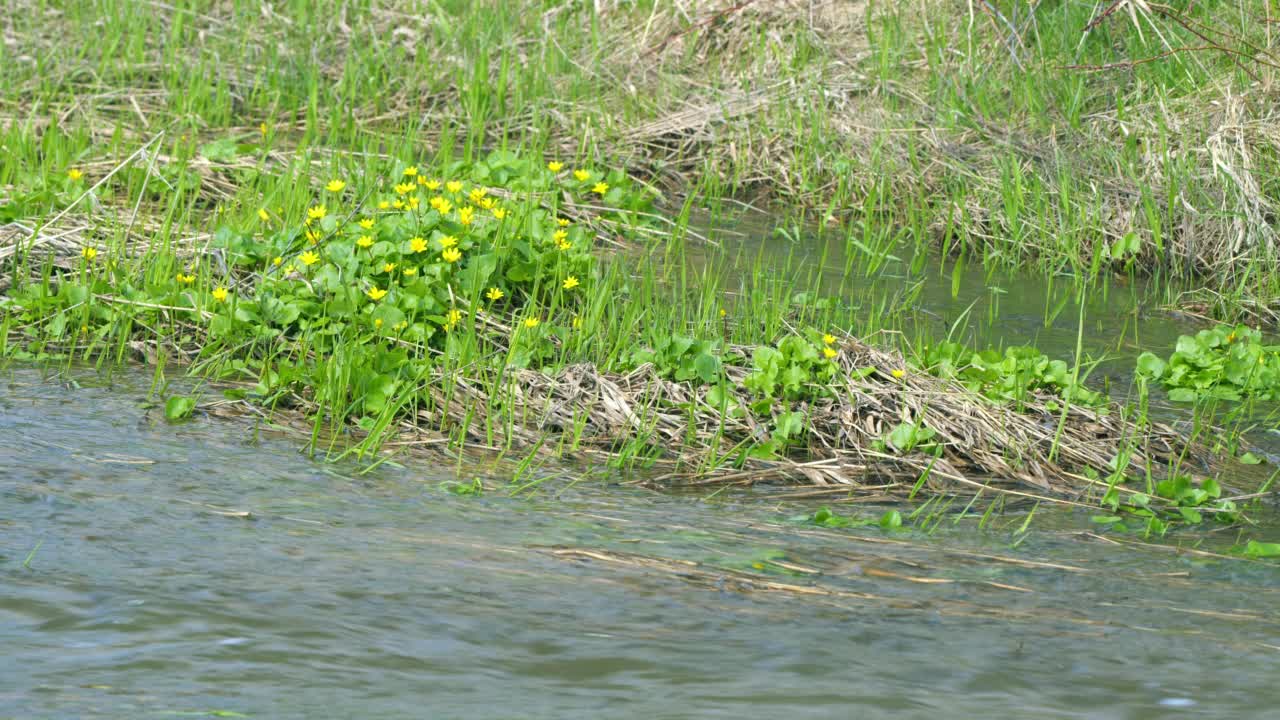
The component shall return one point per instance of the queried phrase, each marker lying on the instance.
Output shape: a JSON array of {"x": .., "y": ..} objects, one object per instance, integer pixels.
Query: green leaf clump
[
  {"x": 1014, "y": 375},
  {"x": 1223, "y": 363}
]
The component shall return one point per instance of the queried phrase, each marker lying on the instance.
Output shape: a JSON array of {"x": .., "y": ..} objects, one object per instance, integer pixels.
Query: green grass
[{"x": 932, "y": 129}]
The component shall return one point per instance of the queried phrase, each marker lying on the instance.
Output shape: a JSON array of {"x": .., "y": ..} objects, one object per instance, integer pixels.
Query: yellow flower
[
  {"x": 466, "y": 214},
  {"x": 554, "y": 166},
  {"x": 411, "y": 171},
  {"x": 335, "y": 186},
  {"x": 829, "y": 352},
  {"x": 397, "y": 204},
  {"x": 75, "y": 174},
  {"x": 262, "y": 128},
  {"x": 494, "y": 294},
  {"x": 432, "y": 185},
  {"x": 186, "y": 279},
  {"x": 317, "y": 212},
  {"x": 366, "y": 223},
  {"x": 220, "y": 294},
  {"x": 309, "y": 258},
  {"x": 441, "y": 205},
  {"x": 404, "y": 188},
  {"x": 829, "y": 339},
  {"x": 562, "y": 222},
  {"x": 577, "y": 322},
  {"x": 364, "y": 241},
  {"x": 564, "y": 244},
  {"x": 453, "y": 186},
  {"x": 262, "y": 215},
  {"x": 452, "y": 318},
  {"x": 581, "y": 175},
  {"x": 388, "y": 267},
  {"x": 313, "y": 236},
  {"x": 559, "y": 235},
  {"x": 570, "y": 282},
  {"x": 410, "y": 271},
  {"x": 899, "y": 374},
  {"x": 417, "y": 244},
  {"x": 376, "y": 293},
  {"x": 451, "y": 255},
  {"x": 531, "y": 322},
  {"x": 413, "y": 202},
  {"x": 448, "y": 241},
  {"x": 377, "y": 322},
  {"x": 89, "y": 253},
  {"x": 600, "y": 188},
  {"x": 477, "y": 195},
  {"x": 499, "y": 213},
  {"x": 277, "y": 260},
  {"x": 487, "y": 203},
  {"x": 383, "y": 205},
  {"x": 422, "y": 180}
]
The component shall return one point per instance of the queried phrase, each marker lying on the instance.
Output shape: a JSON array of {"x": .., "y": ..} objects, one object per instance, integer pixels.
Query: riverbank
[
  {"x": 476, "y": 302},
  {"x": 1082, "y": 140},
  {"x": 289, "y": 225}
]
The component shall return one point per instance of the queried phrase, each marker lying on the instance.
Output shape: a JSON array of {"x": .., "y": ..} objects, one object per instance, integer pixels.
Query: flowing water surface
[
  {"x": 208, "y": 569},
  {"x": 201, "y": 570}
]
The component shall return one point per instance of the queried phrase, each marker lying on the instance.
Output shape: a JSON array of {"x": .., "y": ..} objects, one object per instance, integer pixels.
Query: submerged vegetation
[{"x": 477, "y": 227}]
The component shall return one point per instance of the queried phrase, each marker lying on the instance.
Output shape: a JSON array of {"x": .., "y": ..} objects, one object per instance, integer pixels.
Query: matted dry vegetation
[{"x": 984, "y": 446}]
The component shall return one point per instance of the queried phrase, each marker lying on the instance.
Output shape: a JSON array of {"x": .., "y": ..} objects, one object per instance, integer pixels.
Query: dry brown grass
[{"x": 1031, "y": 451}]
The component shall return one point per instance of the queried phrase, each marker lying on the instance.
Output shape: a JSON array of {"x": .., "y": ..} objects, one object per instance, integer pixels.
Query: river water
[{"x": 205, "y": 570}]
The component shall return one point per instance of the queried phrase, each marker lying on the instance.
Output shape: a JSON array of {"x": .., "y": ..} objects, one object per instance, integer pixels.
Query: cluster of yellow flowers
[
  {"x": 471, "y": 209},
  {"x": 408, "y": 200}
]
